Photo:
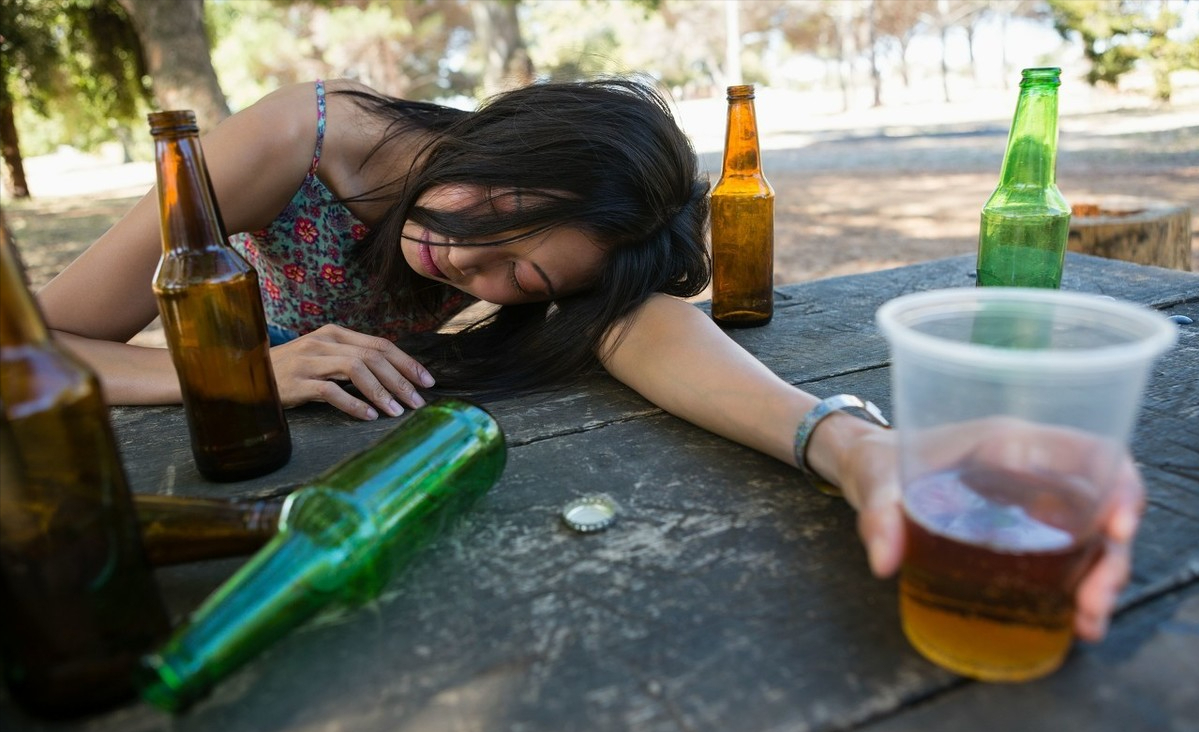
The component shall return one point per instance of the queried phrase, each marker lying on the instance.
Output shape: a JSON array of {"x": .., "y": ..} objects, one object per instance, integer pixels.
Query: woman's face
[{"x": 541, "y": 267}]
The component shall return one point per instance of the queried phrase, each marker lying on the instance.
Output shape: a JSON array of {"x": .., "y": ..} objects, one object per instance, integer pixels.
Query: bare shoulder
[
  {"x": 349, "y": 122},
  {"x": 360, "y": 152},
  {"x": 280, "y": 128}
]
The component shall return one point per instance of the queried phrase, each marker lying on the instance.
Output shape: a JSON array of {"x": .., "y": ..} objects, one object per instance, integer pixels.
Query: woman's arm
[
  {"x": 723, "y": 388},
  {"x": 675, "y": 356},
  {"x": 257, "y": 159}
]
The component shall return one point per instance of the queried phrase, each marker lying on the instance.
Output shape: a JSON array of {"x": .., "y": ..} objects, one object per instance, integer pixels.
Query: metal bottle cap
[{"x": 589, "y": 513}]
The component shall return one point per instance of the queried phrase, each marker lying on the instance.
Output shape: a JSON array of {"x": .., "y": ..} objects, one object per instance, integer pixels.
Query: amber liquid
[
  {"x": 992, "y": 563},
  {"x": 217, "y": 336},
  {"x": 742, "y": 259},
  {"x": 78, "y": 605}
]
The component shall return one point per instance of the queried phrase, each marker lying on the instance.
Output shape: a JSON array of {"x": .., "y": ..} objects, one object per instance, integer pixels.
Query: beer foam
[{"x": 945, "y": 505}]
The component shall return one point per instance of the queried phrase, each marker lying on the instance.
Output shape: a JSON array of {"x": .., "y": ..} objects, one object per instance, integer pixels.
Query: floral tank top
[{"x": 306, "y": 270}]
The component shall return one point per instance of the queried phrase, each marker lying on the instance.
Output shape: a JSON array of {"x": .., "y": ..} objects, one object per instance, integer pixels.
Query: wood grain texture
[{"x": 728, "y": 595}]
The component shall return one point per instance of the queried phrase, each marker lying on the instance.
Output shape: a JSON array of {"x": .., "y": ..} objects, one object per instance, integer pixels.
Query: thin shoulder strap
[{"x": 320, "y": 125}]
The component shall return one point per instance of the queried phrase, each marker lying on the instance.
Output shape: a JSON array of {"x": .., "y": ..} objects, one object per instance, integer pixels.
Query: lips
[{"x": 426, "y": 260}]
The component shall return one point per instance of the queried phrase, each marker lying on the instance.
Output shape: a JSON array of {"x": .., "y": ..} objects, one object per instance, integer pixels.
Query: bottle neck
[
  {"x": 20, "y": 320},
  {"x": 1031, "y": 157},
  {"x": 741, "y": 153},
  {"x": 187, "y": 204}
]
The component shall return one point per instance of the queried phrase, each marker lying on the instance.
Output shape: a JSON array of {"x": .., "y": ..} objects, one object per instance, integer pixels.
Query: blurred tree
[
  {"x": 77, "y": 60},
  {"x": 176, "y": 47},
  {"x": 1116, "y": 35},
  {"x": 418, "y": 49},
  {"x": 900, "y": 21},
  {"x": 947, "y": 15},
  {"x": 1033, "y": 9},
  {"x": 507, "y": 62}
]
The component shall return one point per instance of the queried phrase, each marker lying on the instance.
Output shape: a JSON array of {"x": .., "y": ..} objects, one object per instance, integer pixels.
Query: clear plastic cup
[{"x": 1014, "y": 407}]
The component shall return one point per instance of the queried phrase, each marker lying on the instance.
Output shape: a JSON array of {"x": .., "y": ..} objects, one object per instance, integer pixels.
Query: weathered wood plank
[{"x": 729, "y": 595}]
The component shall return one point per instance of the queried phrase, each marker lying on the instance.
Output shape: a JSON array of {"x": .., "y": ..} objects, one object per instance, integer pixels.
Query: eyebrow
[{"x": 549, "y": 285}]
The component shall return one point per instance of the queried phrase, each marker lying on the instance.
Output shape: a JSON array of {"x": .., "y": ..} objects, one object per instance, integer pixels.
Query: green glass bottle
[
  {"x": 1026, "y": 221},
  {"x": 340, "y": 539}
]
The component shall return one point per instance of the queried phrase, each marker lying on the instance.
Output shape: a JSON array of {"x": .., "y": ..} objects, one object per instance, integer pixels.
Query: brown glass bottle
[
  {"x": 179, "y": 529},
  {"x": 78, "y": 603},
  {"x": 742, "y": 223},
  {"x": 213, "y": 318}
]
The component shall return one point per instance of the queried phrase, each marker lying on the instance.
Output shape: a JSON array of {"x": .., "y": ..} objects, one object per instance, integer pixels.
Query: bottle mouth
[
  {"x": 177, "y": 120},
  {"x": 1041, "y": 75},
  {"x": 741, "y": 91}
]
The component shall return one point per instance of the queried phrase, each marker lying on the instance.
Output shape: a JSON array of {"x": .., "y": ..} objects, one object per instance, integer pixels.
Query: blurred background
[{"x": 884, "y": 121}]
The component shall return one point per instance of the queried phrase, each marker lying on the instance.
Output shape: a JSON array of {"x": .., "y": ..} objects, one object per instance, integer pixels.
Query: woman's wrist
[
  {"x": 826, "y": 435},
  {"x": 831, "y": 442}
]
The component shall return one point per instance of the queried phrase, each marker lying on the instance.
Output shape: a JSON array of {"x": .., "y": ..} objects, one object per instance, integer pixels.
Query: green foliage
[
  {"x": 73, "y": 70},
  {"x": 1117, "y": 36}
]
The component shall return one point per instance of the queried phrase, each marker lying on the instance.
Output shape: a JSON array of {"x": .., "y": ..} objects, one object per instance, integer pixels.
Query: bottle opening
[
  {"x": 1041, "y": 75},
  {"x": 179, "y": 120},
  {"x": 741, "y": 91}
]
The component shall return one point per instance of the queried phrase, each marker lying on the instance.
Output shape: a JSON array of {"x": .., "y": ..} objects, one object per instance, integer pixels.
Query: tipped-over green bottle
[{"x": 340, "y": 539}]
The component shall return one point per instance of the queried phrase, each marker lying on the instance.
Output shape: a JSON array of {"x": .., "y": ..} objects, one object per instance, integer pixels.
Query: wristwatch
[{"x": 803, "y": 435}]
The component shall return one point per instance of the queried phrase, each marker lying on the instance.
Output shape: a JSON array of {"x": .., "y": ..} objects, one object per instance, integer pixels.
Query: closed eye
[{"x": 516, "y": 282}]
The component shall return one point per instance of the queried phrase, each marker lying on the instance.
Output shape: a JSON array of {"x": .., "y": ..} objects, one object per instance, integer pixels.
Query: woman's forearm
[
  {"x": 673, "y": 355},
  {"x": 128, "y": 374}
]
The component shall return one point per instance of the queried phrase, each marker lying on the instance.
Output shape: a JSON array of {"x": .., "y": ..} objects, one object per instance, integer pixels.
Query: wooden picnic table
[{"x": 729, "y": 596}]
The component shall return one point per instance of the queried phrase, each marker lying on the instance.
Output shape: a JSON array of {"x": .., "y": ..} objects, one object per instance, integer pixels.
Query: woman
[{"x": 575, "y": 207}]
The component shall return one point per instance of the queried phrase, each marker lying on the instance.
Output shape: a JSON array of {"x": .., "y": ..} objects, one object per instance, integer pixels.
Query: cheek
[{"x": 490, "y": 289}]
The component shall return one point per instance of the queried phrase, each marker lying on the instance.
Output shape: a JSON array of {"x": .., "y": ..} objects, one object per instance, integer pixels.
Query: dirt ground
[{"x": 848, "y": 199}]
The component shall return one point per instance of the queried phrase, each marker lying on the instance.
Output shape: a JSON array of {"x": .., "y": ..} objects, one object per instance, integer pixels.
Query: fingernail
[
  {"x": 394, "y": 408},
  {"x": 371, "y": 414},
  {"x": 876, "y": 550},
  {"x": 417, "y": 400},
  {"x": 1124, "y": 525},
  {"x": 426, "y": 379}
]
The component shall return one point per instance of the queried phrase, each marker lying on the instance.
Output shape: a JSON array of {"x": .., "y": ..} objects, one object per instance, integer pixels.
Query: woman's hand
[
  {"x": 315, "y": 366},
  {"x": 871, "y": 484}
]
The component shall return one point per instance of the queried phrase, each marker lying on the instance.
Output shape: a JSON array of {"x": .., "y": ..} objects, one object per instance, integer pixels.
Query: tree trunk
[
  {"x": 943, "y": 22},
  {"x": 732, "y": 44},
  {"x": 175, "y": 43},
  {"x": 498, "y": 29},
  {"x": 875, "y": 74},
  {"x": 10, "y": 145},
  {"x": 1139, "y": 230}
]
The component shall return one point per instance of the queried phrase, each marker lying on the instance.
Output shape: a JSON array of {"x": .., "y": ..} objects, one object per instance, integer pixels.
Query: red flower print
[
  {"x": 306, "y": 230},
  {"x": 358, "y": 232},
  {"x": 271, "y": 289},
  {"x": 310, "y": 308},
  {"x": 294, "y": 272},
  {"x": 335, "y": 275}
]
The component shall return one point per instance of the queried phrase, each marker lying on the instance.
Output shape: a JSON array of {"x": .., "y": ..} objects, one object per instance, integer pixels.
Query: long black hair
[{"x": 605, "y": 157}]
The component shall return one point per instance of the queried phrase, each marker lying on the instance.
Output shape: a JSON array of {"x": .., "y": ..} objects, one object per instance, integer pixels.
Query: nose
[{"x": 473, "y": 260}]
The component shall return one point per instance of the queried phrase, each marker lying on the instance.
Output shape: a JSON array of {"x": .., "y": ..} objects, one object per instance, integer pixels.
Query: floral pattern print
[{"x": 306, "y": 271}]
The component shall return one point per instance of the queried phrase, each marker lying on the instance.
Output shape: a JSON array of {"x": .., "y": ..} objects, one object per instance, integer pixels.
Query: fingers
[
  {"x": 1096, "y": 597},
  {"x": 881, "y": 529},
  {"x": 872, "y": 487},
  {"x": 314, "y": 367},
  {"x": 1099, "y": 590}
]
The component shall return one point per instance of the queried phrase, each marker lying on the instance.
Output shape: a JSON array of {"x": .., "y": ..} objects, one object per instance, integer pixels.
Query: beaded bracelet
[{"x": 803, "y": 435}]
